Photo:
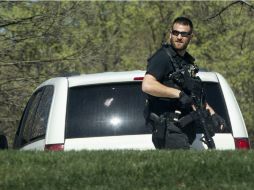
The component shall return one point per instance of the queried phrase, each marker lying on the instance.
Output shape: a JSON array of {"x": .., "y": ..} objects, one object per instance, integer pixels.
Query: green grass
[{"x": 127, "y": 170}]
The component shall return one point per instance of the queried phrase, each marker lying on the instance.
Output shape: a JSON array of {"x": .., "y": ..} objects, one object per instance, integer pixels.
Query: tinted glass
[
  {"x": 42, "y": 113},
  {"x": 28, "y": 119},
  {"x": 117, "y": 109},
  {"x": 36, "y": 114},
  {"x": 106, "y": 110}
]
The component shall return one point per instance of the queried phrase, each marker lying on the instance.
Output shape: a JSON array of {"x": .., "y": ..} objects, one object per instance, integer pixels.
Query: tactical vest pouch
[
  {"x": 166, "y": 134},
  {"x": 175, "y": 138}
]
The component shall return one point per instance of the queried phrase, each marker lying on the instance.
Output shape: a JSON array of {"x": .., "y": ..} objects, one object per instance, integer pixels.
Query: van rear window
[
  {"x": 117, "y": 109},
  {"x": 106, "y": 110}
]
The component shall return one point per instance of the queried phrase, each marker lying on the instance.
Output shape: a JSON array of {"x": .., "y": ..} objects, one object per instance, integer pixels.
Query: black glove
[
  {"x": 185, "y": 100},
  {"x": 219, "y": 122}
]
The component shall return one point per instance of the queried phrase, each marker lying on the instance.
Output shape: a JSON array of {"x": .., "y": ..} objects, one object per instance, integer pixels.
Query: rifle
[{"x": 194, "y": 87}]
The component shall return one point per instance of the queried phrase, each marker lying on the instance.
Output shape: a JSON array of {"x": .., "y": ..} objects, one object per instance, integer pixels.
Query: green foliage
[
  {"x": 127, "y": 169},
  {"x": 42, "y": 39}
]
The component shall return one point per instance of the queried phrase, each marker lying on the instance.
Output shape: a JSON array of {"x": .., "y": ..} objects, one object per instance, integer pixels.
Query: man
[{"x": 164, "y": 95}]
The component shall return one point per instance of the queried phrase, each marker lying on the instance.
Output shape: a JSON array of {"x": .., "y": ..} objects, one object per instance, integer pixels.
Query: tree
[{"x": 42, "y": 39}]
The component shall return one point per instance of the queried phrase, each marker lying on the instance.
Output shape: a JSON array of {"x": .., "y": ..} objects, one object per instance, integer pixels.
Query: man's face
[{"x": 180, "y": 41}]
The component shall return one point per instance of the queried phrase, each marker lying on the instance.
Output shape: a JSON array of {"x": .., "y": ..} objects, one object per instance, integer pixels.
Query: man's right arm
[{"x": 152, "y": 86}]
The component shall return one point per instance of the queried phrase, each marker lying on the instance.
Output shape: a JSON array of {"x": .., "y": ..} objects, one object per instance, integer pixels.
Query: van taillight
[
  {"x": 242, "y": 143},
  {"x": 138, "y": 78},
  {"x": 54, "y": 147}
]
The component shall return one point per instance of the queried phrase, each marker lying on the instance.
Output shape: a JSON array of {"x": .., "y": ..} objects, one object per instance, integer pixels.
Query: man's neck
[{"x": 181, "y": 52}]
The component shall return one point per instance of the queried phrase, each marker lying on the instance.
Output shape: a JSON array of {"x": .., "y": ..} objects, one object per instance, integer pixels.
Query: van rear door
[
  {"x": 107, "y": 116},
  {"x": 111, "y": 116}
]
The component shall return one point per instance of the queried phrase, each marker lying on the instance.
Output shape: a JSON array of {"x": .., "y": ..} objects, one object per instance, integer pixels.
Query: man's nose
[{"x": 179, "y": 36}]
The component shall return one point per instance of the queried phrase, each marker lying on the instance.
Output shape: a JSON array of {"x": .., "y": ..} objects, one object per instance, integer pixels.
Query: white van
[{"x": 105, "y": 111}]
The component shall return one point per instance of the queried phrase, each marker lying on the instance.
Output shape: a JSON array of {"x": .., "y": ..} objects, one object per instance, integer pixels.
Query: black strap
[
  {"x": 177, "y": 61},
  {"x": 173, "y": 61}
]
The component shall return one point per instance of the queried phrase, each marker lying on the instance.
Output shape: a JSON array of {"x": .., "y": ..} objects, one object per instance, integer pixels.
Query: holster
[{"x": 159, "y": 126}]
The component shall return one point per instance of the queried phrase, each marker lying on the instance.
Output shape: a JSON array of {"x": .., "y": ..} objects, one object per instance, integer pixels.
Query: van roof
[
  {"x": 124, "y": 76},
  {"x": 119, "y": 76}
]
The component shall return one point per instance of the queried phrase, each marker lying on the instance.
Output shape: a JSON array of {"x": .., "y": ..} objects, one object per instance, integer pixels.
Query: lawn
[{"x": 127, "y": 169}]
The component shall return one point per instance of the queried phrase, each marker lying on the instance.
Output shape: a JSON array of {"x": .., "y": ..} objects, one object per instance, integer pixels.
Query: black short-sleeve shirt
[{"x": 160, "y": 65}]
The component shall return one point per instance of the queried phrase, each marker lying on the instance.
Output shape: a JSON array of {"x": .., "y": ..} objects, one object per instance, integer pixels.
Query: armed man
[{"x": 171, "y": 84}]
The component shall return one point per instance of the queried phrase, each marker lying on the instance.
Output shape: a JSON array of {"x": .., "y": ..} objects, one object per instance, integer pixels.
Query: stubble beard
[{"x": 180, "y": 47}]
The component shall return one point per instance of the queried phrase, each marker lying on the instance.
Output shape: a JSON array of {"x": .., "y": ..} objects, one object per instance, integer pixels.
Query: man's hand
[
  {"x": 219, "y": 122},
  {"x": 185, "y": 100}
]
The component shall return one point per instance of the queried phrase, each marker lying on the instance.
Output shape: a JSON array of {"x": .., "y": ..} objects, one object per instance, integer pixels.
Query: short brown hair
[{"x": 183, "y": 21}]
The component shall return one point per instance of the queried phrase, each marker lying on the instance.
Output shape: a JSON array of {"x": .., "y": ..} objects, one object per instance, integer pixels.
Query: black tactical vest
[{"x": 161, "y": 105}]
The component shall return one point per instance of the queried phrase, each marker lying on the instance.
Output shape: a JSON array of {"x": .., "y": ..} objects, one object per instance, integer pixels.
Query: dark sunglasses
[{"x": 183, "y": 34}]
